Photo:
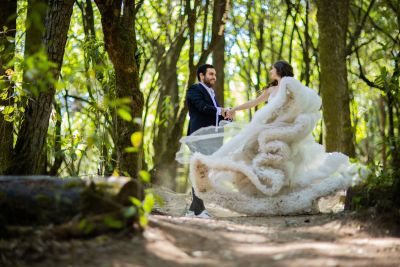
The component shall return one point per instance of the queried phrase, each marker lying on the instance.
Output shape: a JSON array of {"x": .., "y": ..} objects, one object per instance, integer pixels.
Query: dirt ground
[{"x": 331, "y": 239}]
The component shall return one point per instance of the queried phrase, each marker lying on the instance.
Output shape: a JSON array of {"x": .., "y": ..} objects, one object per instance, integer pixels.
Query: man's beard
[{"x": 207, "y": 82}]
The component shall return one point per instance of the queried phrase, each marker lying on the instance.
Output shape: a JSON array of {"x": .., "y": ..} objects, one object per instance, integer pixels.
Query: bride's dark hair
[{"x": 283, "y": 69}]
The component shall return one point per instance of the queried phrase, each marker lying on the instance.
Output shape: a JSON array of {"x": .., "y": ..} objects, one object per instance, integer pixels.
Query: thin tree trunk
[
  {"x": 164, "y": 161},
  {"x": 332, "y": 20},
  {"x": 292, "y": 37},
  {"x": 382, "y": 124},
  {"x": 58, "y": 153},
  {"x": 94, "y": 61},
  {"x": 205, "y": 22},
  {"x": 8, "y": 16},
  {"x": 306, "y": 56},
  {"x": 288, "y": 12},
  {"x": 35, "y": 29},
  {"x": 218, "y": 55},
  {"x": 33, "y": 131},
  {"x": 118, "y": 21},
  {"x": 260, "y": 48}
]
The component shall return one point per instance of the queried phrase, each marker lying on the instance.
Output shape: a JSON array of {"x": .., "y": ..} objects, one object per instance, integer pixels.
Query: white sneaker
[
  {"x": 190, "y": 214},
  {"x": 204, "y": 214}
]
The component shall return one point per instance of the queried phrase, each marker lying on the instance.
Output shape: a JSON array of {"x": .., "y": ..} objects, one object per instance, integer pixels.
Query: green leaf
[
  {"x": 384, "y": 72},
  {"x": 131, "y": 149},
  {"x": 85, "y": 227},
  {"x": 125, "y": 115},
  {"x": 10, "y": 39},
  {"x": 136, "y": 139},
  {"x": 8, "y": 110},
  {"x": 135, "y": 201},
  {"x": 145, "y": 176},
  {"x": 9, "y": 118},
  {"x": 113, "y": 223},
  {"x": 143, "y": 221},
  {"x": 90, "y": 141},
  {"x": 148, "y": 203},
  {"x": 3, "y": 95},
  {"x": 130, "y": 212}
]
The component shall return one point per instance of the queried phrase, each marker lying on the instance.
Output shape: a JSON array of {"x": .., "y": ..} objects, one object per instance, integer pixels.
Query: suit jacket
[{"x": 202, "y": 111}]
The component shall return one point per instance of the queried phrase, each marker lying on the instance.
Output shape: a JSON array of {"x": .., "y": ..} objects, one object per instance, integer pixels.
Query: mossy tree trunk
[
  {"x": 8, "y": 16},
  {"x": 32, "y": 135},
  {"x": 332, "y": 20},
  {"x": 118, "y": 21}
]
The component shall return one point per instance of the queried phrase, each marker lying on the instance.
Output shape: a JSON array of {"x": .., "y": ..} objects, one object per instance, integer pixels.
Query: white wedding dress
[{"x": 272, "y": 165}]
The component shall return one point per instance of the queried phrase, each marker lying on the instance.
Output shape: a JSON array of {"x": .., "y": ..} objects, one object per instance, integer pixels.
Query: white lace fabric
[{"x": 271, "y": 165}]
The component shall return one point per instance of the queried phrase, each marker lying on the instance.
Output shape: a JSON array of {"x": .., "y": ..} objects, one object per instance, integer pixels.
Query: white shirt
[
  {"x": 212, "y": 94},
  {"x": 219, "y": 110}
]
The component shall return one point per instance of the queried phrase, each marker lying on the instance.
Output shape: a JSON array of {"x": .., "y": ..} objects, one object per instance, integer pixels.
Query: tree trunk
[
  {"x": 306, "y": 50},
  {"x": 382, "y": 128},
  {"x": 58, "y": 152},
  {"x": 8, "y": 16},
  {"x": 94, "y": 62},
  {"x": 332, "y": 20},
  {"x": 33, "y": 131},
  {"x": 218, "y": 55},
  {"x": 165, "y": 166},
  {"x": 118, "y": 21},
  {"x": 35, "y": 22}
]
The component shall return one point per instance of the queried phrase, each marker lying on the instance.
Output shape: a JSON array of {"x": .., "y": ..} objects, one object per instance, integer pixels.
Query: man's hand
[
  {"x": 223, "y": 112},
  {"x": 230, "y": 114},
  {"x": 227, "y": 113}
]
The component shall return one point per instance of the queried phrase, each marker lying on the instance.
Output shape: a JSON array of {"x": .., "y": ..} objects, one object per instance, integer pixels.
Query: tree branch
[
  {"x": 359, "y": 28},
  {"x": 364, "y": 78}
]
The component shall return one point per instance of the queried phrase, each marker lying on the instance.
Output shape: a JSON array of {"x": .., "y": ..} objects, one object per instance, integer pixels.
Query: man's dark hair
[{"x": 203, "y": 69}]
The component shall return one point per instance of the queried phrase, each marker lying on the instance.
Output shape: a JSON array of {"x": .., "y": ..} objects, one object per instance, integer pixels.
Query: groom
[{"x": 203, "y": 111}]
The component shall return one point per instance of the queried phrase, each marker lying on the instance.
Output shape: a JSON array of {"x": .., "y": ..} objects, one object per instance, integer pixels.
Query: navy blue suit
[{"x": 202, "y": 113}]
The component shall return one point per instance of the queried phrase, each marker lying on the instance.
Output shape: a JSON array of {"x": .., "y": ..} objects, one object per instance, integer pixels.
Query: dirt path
[
  {"x": 317, "y": 240},
  {"x": 320, "y": 240}
]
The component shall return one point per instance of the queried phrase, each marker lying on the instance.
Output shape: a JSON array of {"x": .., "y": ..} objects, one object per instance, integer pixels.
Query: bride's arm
[{"x": 252, "y": 103}]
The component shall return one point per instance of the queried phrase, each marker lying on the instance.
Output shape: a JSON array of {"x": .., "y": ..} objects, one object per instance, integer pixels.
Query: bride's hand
[{"x": 230, "y": 114}]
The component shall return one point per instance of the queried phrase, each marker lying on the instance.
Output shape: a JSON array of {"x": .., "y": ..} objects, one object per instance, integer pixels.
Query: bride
[{"x": 272, "y": 165}]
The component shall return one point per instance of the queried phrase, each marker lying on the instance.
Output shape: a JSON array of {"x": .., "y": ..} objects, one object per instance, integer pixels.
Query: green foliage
[
  {"x": 113, "y": 223},
  {"x": 144, "y": 207},
  {"x": 38, "y": 71},
  {"x": 375, "y": 191}
]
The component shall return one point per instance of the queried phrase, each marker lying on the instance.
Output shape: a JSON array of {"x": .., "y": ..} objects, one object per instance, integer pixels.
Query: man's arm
[{"x": 195, "y": 97}]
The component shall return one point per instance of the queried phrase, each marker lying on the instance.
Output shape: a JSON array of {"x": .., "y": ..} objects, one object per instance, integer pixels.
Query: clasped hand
[{"x": 228, "y": 113}]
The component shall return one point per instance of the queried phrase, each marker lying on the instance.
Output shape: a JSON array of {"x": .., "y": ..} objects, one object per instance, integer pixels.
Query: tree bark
[
  {"x": 332, "y": 20},
  {"x": 382, "y": 128},
  {"x": 58, "y": 152},
  {"x": 35, "y": 23},
  {"x": 118, "y": 21},
  {"x": 8, "y": 16},
  {"x": 306, "y": 49},
  {"x": 164, "y": 161},
  {"x": 33, "y": 131},
  {"x": 218, "y": 55}
]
